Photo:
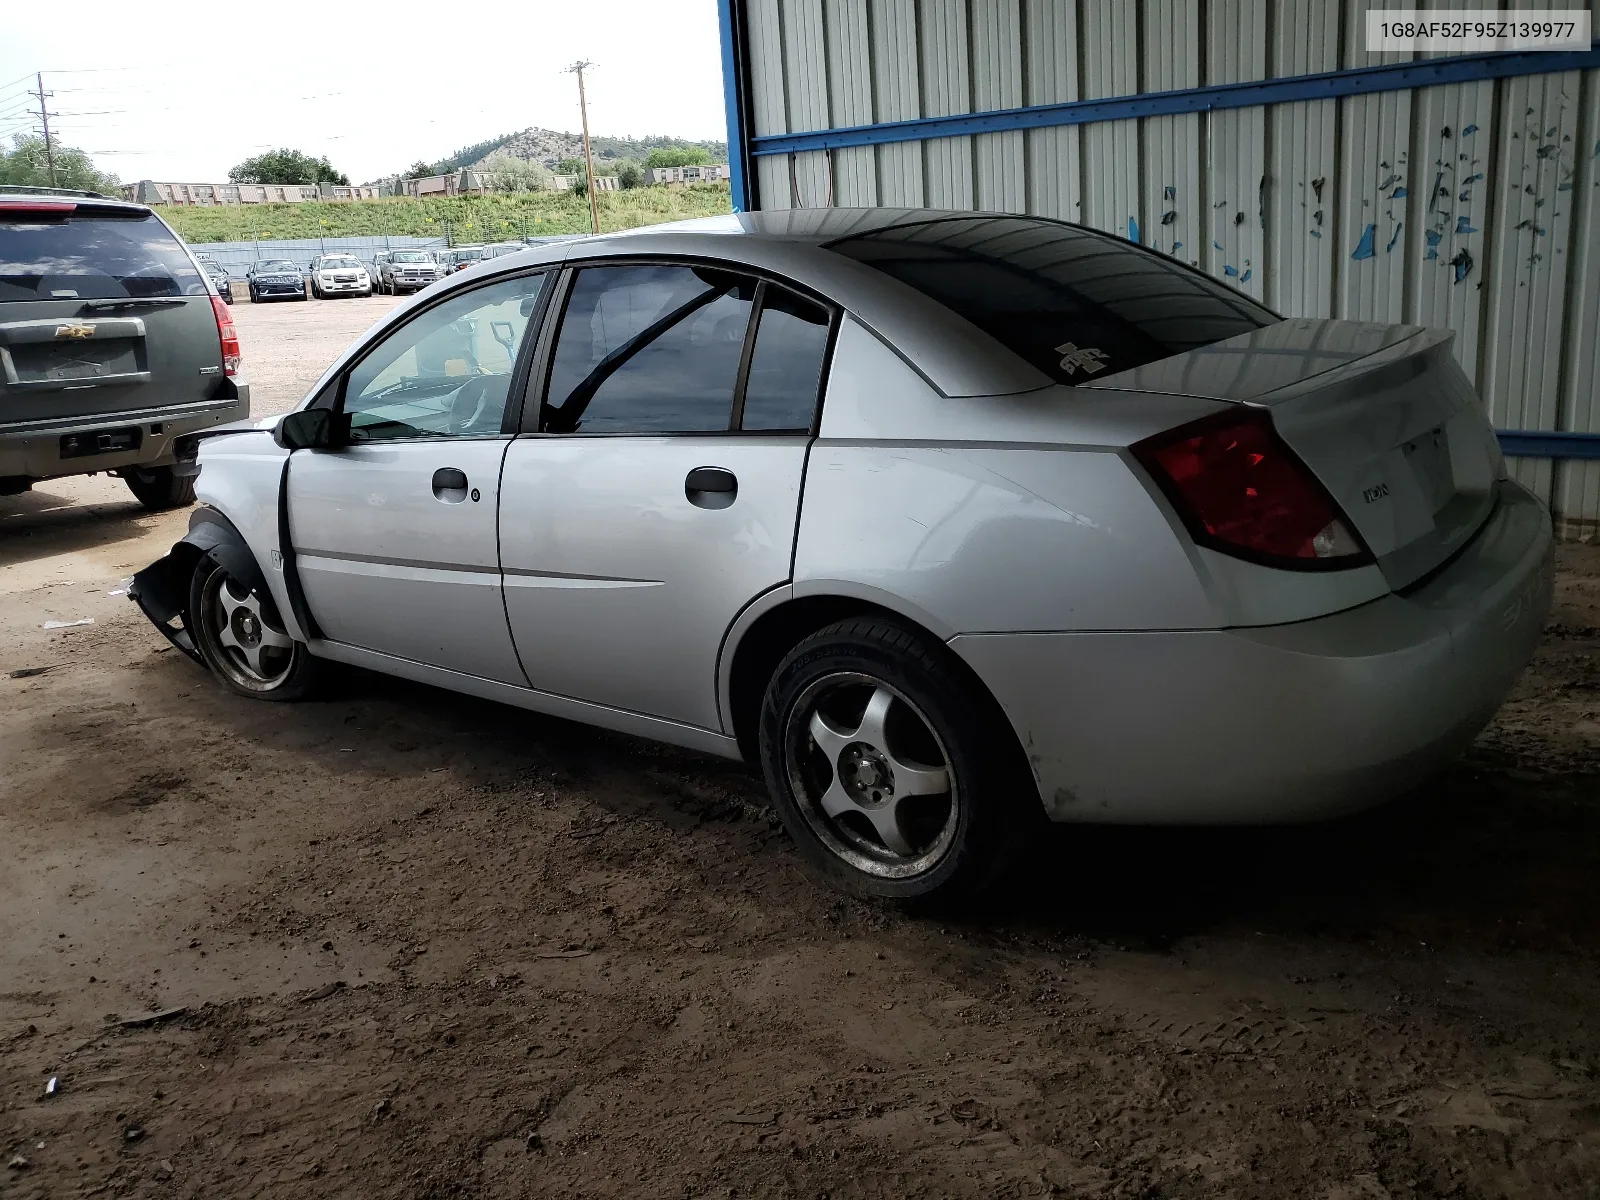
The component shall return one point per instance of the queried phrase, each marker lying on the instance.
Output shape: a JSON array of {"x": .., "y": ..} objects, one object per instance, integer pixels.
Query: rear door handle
[
  {"x": 450, "y": 485},
  {"x": 711, "y": 487}
]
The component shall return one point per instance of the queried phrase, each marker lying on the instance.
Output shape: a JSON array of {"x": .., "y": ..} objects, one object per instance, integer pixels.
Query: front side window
[
  {"x": 448, "y": 372},
  {"x": 1075, "y": 303},
  {"x": 649, "y": 349}
]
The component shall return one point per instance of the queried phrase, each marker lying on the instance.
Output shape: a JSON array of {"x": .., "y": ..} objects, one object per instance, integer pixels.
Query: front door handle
[
  {"x": 711, "y": 487},
  {"x": 450, "y": 485}
]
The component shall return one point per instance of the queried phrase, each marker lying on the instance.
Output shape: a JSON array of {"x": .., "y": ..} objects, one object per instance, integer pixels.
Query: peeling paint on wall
[{"x": 1364, "y": 246}]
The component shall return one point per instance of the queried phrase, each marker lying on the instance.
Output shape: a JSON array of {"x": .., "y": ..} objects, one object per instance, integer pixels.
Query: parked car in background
[
  {"x": 496, "y": 249},
  {"x": 114, "y": 349},
  {"x": 339, "y": 275},
  {"x": 275, "y": 279},
  {"x": 406, "y": 270},
  {"x": 218, "y": 275},
  {"x": 951, "y": 521},
  {"x": 459, "y": 258}
]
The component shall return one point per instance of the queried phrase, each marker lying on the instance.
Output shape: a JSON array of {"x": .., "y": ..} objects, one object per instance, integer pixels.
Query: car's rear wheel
[
  {"x": 886, "y": 767},
  {"x": 242, "y": 639},
  {"x": 159, "y": 487}
]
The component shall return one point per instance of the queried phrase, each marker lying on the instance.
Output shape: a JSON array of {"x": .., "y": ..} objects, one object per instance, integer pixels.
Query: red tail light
[
  {"x": 1242, "y": 491},
  {"x": 228, "y": 334},
  {"x": 37, "y": 206}
]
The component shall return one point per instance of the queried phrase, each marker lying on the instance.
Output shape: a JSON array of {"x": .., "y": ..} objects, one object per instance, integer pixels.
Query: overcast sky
[{"x": 184, "y": 90}]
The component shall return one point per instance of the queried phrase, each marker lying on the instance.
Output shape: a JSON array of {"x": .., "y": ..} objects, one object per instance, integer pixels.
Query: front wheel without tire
[
  {"x": 887, "y": 766},
  {"x": 159, "y": 487},
  {"x": 241, "y": 638}
]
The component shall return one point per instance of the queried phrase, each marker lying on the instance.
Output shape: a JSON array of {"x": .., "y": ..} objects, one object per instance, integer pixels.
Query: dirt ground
[{"x": 425, "y": 946}]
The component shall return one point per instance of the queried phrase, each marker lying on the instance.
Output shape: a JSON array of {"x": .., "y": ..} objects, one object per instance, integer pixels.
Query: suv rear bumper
[
  {"x": 1285, "y": 722},
  {"x": 32, "y": 449}
]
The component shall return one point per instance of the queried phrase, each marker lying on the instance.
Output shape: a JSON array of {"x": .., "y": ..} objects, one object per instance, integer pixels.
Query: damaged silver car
[{"x": 951, "y": 522}]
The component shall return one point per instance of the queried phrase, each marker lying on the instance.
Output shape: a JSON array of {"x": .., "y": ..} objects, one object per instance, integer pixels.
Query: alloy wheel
[
  {"x": 248, "y": 644},
  {"x": 870, "y": 775}
]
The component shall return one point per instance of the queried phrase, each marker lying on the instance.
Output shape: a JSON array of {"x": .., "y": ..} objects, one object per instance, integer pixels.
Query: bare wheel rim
[
  {"x": 870, "y": 775},
  {"x": 250, "y": 646}
]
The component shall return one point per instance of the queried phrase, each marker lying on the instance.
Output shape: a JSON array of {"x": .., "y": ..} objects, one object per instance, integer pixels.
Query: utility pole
[
  {"x": 577, "y": 69},
  {"x": 44, "y": 119}
]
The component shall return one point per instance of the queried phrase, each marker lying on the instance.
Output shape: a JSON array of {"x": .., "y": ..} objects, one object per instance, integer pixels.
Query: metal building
[{"x": 1255, "y": 139}]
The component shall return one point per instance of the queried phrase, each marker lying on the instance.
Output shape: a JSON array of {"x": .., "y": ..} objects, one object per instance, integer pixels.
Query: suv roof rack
[{"x": 18, "y": 189}]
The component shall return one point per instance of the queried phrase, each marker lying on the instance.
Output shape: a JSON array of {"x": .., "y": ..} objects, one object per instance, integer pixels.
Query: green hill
[{"x": 460, "y": 218}]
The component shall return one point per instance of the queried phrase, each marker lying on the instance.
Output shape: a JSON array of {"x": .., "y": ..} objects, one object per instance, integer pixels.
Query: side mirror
[{"x": 313, "y": 429}]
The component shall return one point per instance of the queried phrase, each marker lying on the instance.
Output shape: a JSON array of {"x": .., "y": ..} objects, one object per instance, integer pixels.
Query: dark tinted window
[
  {"x": 92, "y": 258},
  {"x": 1074, "y": 303},
  {"x": 780, "y": 391},
  {"x": 648, "y": 349}
]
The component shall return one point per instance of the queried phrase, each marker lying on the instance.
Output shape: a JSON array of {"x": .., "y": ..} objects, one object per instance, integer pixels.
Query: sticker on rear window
[{"x": 1087, "y": 357}]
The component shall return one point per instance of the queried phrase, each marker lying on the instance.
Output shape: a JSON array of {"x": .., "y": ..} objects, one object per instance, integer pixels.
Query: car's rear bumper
[
  {"x": 33, "y": 449},
  {"x": 1280, "y": 723}
]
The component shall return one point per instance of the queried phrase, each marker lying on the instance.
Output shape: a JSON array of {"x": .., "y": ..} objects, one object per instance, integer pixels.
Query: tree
[
  {"x": 27, "y": 165},
  {"x": 286, "y": 166},
  {"x": 418, "y": 170},
  {"x": 570, "y": 166},
  {"x": 507, "y": 173},
  {"x": 688, "y": 156},
  {"x": 629, "y": 174}
]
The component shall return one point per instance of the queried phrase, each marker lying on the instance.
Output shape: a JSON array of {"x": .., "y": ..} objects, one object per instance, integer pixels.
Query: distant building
[
  {"x": 150, "y": 191},
  {"x": 681, "y": 175},
  {"x": 602, "y": 183}
]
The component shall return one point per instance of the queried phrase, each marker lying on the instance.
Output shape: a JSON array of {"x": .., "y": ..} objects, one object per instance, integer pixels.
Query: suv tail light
[
  {"x": 1241, "y": 490},
  {"x": 228, "y": 335}
]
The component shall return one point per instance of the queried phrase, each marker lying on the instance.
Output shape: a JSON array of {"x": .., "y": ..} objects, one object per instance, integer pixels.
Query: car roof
[
  {"x": 97, "y": 200},
  {"x": 951, "y": 353}
]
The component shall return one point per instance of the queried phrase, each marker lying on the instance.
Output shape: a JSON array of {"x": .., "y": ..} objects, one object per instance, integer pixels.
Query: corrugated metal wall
[{"x": 1474, "y": 206}]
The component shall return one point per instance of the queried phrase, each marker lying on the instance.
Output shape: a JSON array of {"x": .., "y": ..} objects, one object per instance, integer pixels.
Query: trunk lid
[
  {"x": 1381, "y": 414},
  {"x": 101, "y": 312}
]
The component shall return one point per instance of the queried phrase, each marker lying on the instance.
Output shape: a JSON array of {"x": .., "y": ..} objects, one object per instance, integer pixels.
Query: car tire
[
  {"x": 868, "y": 706},
  {"x": 242, "y": 640},
  {"x": 159, "y": 487}
]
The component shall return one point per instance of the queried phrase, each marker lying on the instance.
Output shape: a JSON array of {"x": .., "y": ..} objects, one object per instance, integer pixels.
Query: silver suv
[{"x": 114, "y": 345}]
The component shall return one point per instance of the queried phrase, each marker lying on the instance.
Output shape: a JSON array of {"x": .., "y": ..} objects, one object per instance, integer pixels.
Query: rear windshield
[
  {"x": 92, "y": 258},
  {"x": 1075, "y": 303}
]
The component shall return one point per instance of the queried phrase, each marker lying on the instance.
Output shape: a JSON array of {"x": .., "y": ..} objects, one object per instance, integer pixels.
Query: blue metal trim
[
  {"x": 1390, "y": 77},
  {"x": 1535, "y": 443},
  {"x": 733, "y": 103}
]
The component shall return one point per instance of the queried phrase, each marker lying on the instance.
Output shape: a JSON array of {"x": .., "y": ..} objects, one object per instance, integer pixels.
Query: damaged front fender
[{"x": 161, "y": 590}]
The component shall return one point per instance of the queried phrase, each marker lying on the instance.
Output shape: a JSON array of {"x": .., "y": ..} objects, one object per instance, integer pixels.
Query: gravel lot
[{"x": 427, "y": 947}]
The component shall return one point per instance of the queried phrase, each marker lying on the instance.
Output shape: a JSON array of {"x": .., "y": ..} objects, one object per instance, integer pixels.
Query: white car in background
[
  {"x": 950, "y": 521},
  {"x": 339, "y": 275}
]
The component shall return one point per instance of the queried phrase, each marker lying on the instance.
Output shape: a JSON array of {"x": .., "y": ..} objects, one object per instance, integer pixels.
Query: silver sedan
[{"x": 950, "y": 521}]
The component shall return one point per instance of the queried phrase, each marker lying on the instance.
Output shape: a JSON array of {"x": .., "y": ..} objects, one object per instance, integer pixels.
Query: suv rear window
[
  {"x": 1075, "y": 303},
  {"x": 92, "y": 257}
]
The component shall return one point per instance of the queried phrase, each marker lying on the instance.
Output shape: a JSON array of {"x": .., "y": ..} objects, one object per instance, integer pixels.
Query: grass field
[{"x": 463, "y": 219}]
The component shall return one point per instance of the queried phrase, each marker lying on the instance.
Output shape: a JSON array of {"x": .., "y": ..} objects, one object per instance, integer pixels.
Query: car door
[
  {"x": 395, "y": 534},
  {"x": 659, "y": 493}
]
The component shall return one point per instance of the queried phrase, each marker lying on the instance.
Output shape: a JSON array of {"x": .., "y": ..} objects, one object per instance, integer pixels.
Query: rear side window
[
  {"x": 780, "y": 391},
  {"x": 1075, "y": 303},
  {"x": 649, "y": 349},
  {"x": 92, "y": 257}
]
